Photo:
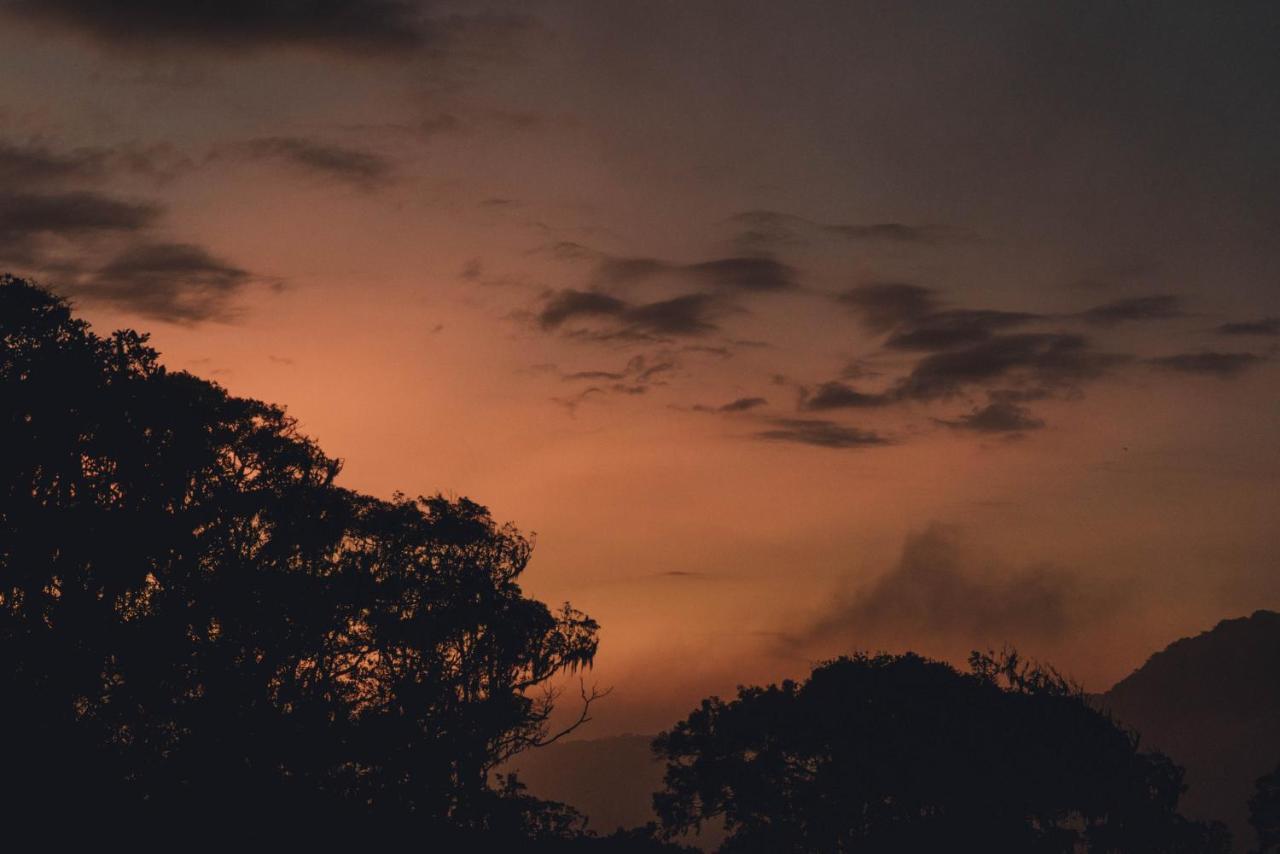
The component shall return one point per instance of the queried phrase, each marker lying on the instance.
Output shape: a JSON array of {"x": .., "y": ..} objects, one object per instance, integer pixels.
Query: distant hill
[{"x": 1212, "y": 703}]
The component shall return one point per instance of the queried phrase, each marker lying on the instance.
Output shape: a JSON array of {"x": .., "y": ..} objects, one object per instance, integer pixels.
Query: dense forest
[{"x": 204, "y": 635}]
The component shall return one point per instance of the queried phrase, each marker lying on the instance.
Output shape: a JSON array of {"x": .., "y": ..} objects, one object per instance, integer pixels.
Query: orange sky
[{"x": 993, "y": 291}]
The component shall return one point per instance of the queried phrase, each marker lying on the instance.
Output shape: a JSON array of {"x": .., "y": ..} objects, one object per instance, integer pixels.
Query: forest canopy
[{"x": 893, "y": 753}]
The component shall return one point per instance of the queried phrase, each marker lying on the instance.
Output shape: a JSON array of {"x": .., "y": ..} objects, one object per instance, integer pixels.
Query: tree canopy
[
  {"x": 899, "y": 753},
  {"x": 1264, "y": 812},
  {"x": 195, "y": 618}
]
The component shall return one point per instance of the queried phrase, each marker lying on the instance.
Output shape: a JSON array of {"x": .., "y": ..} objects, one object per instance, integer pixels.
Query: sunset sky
[{"x": 789, "y": 328}]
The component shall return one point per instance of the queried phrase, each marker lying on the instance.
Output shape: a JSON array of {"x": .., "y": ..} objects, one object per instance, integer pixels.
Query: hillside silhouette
[{"x": 1212, "y": 702}]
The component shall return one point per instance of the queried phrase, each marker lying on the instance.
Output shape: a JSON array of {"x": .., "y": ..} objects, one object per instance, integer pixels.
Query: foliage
[
  {"x": 1264, "y": 812},
  {"x": 195, "y": 619},
  {"x": 899, "y": 753}
]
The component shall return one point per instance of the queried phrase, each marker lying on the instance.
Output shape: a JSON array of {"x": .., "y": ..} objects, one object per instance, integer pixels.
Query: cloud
[
  {"x": 1132, "y": 309},
  {"x": 568, "y": 304},
  {"x": 762, "y": 228},
  {"x": 640, "y": 374},
  {"x": 683, "y": 315},
  {"x": 1043, "y": 361},
  {"x": 742, "y": 404},
  {"x": 175, "y": 282},
  {"x": 883, "y": 306},
  {"x": 939, "y": 594},
  {"x": 1267, "y": 326},
  {"x": 594, "y": 375},
  {"x": 639, "y": 370},
  {"x": 819, "y": 432},
  {"x": 70, "y": 213},
  {"x": 686, "y": 315},
  {"x": 26, "y": 166},
  {"x": 39, "y": 168},
  {"x": 364, "y": 26},
  {"x": 837, "y": 395},
  {"x": 27, "y": 219},
  {"x": 946, "y": 330},
  {"x": 744, "y": 273},
  {"x": 998, "y": 416},
  {"x": 914, "y": 316},
  {"x": 351, "y": 165},
  {"x": 1222, "y": 365}
]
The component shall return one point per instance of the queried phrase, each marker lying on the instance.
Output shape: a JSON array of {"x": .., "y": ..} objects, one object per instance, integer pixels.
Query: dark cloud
[
  {"x": 175, "y": 282},
  {"x": 683, "y": 315},
  {"x": 71, "y": 213},
  {"x": 1267, "y": 326},
  {"x": 367, "y": 26},
  {"x": 940, "y": 596},
  {"x": 1158, "y": 307},
  {"x": 746, "y": 273},
  {"x": 883, "y": 306},
  {"x": 836, "y": 395},
  {"x": 743, "y": 404},
  {"x": 1223, "y": 365},
  {"x": 764, "y": 228},
  {"x": 39, "y": 168},
  {"x": 351, "y": 165},
  {"x": 593, "y": 375},
  {"x": 28, "y": 166},
  {"x": 568, "y": 304},
  {"x": 999, "y": 416},
  {"x": 819, "y": 432},
  {"x": 686, "y": 315},
  {"x": 27, "y": 220},
  {"x": 1042, "y": 361},
  {"x": 945, "y": 330},
  {"x": 914, "y": 316}
]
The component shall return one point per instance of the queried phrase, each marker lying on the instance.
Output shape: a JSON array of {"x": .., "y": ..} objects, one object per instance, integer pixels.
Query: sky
[{"x": 789, "y": 329}]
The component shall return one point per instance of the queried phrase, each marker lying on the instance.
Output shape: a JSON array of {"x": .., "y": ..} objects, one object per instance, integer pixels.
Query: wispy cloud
[
  {"x": 355, "y": 166},
  {"x": 1209, "y": 363},
  {"x": 819, "y": 433}
]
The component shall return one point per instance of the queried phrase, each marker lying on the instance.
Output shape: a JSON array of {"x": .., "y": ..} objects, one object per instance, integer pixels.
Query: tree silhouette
[
  {"x": 1264, "y": 812},
  {"x": 898, "y": 753},
  {"x": 196, "y": 621}
]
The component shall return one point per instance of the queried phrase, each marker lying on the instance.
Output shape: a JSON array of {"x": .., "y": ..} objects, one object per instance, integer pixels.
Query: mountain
[{"x": 1212, "y": 703}]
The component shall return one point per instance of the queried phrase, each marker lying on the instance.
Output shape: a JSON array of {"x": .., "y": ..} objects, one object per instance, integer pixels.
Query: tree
[
  {"x": 1264, "y": 812},
  {"x": 899, "y": 753},
  {"x": 196, "y": 620}
]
